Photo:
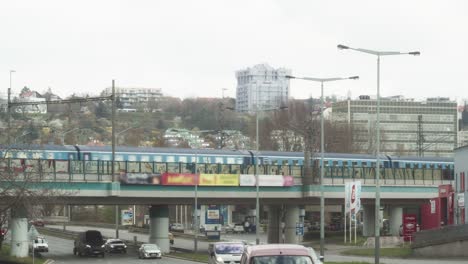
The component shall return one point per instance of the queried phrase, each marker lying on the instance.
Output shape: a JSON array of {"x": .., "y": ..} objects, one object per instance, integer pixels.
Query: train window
[
  {"x": 133, "y": 167},
  {"x": 173, "y": 167}
]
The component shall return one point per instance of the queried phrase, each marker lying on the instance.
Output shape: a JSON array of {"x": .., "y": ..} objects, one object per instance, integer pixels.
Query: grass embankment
[
  {"x": 350, "y": 262},
  {"x": 191, "y": 256},
  {"x": 6, "y": 258},
  {"x": 401, "y": 252},
  {"x": 333, "y": 237}
]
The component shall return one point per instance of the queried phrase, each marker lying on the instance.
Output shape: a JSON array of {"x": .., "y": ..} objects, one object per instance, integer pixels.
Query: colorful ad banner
[
  {"x": 219, "y": 180},
  {"x": 185, "y": 179},
  {"x": 140, "y": 178},
  {"x": 266, "y": 180}
]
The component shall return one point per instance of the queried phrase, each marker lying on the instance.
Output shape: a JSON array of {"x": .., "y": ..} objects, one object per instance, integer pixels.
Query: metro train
[{"x": 134, "y": 159}]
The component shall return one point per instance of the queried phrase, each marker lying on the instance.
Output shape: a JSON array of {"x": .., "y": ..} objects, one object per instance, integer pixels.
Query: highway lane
[
  {"x": 65, "y": 255},
  {"x": 61, "y": 251},
  {"x": 180, "y": 242}
]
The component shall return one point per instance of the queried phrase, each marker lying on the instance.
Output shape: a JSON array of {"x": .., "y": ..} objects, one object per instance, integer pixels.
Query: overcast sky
[{"x": 192, "y": 48}]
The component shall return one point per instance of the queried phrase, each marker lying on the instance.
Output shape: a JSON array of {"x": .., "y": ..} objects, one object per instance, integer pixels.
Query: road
[
  {"x": 180, "y": 242},
  {"x": 332, "y": 252},
  {"x": 61, "y": 251}
]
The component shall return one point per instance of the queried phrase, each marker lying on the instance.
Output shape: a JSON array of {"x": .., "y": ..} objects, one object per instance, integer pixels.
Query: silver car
[{"x": 149, "y": 251}]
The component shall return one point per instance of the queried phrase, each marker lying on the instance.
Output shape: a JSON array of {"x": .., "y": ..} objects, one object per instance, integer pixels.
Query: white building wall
[{"x": 262, "y": 85}]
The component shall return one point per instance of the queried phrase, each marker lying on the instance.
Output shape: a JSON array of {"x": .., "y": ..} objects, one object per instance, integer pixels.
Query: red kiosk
[{"x": 439, "y": 211}]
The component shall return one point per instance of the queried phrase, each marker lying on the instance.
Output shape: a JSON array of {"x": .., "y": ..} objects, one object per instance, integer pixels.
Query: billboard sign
[
  {"x": 219, "y": 180},
  {"x": 184, "y": 179},
  {"x": 212, "y": 215},
  {"x": 353, "y": 197},
  {"x": 140, "y": 178},
  {"x": 266, "y": 180},
  {"x": 127, "y": 217},
  {"x": 409, "y": 226}
]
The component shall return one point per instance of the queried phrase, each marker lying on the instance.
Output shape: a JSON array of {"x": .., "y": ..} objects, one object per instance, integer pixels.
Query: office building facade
[
  {"x": 408, "y": 127},
  {"x": 261, "y": 86}
]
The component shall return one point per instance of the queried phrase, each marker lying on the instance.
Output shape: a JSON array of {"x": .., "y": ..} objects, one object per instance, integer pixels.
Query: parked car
[
  {"x": 39, "y": 244},
  {"x": 89, "y": 243},
  {"x": 225, "y": 252},
  {"x": 229, "y": 228},
  {"x": 149, "y": 251},
  {"x": 176, "y": 227},
  {"x": 115, "y": 245},
  {"x": 238, "y": 228}
]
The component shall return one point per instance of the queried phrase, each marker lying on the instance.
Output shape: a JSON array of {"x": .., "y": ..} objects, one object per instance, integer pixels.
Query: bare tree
[{"x": 22, "y": 186}]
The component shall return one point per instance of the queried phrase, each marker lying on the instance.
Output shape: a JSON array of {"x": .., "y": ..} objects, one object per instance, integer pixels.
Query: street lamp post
[
  {"x": 66, "y": 132},
  {"x": 195, "y": 211},
  {"x": 22, "y": 135},
  {"x": 257, "y": 183},
  {"x": 9, "y": 109},
  {"x": 123, "y": 131},
  {"x": 322, "y": 151},
  {"x": 377, "y": 154}
]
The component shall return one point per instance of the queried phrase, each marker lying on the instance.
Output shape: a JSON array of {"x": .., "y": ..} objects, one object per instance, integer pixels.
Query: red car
[{"x": 38, "y": 222}]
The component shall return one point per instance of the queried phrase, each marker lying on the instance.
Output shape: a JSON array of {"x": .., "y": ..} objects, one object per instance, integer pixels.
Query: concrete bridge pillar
[
  {"x": 291, "y": 219},
  {"x": 396, "y": 220},
  {"x": 19, "y": 232},
  {"x": 369, "y": 221},
  {"x": 159, "y": 226},
  {"x": 274, "y": 227}
]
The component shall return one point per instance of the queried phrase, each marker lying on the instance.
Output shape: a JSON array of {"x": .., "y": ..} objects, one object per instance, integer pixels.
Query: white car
[
  {"x": 177, "y": 227},
  {"x": 39, "y": 244},
  {"x": 238, "y": 228},
  {"x": 149, "y": 251},
  {"x": 225, "y": 252}
]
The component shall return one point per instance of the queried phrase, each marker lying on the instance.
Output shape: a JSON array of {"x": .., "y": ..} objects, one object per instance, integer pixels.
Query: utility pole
[
  {"x": 420, "y": 140},
  {"x": 9, "y": 110}
]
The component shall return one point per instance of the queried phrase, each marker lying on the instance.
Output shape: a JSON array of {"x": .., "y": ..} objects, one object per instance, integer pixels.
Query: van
[
  {"x": 225, "y": 252},
  {"x": 279, "y": 254},
  {"x": 89, "y": 243}
]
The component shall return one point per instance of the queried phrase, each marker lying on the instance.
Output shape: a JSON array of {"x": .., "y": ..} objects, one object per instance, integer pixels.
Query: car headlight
[
  {"x": 88, "y": 246},
  {"x": 111, "y": 246},
  {"x": 103, "y": 246},
  {"x": 219, "y": 259},
  {"x": 125, "y": 246}
]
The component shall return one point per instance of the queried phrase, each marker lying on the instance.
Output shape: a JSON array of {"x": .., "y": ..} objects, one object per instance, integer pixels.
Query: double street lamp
[
  {"x": 322, "y": 150},
  {"x": 377, "y": 174}
]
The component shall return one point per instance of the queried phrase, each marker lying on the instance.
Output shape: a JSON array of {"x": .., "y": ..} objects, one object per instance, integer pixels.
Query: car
[
  {"x": 115, "y": 245},
  {"x": 149, "y": 251},
  {"x": 225, "y": 252},
  {"x": 176, "y": 227},
  {"x": 229, "y": 228},
  {"x": 238, "y": 228},
  {"x": 89, "y": 243},
  {"x": 280, "y": 253},
  {"x": 37, "y": 222},
  {"x": 39, "y": 244}
]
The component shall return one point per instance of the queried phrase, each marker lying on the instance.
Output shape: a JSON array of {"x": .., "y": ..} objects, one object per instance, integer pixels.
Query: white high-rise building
[{"x": 261, "y": 85}]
